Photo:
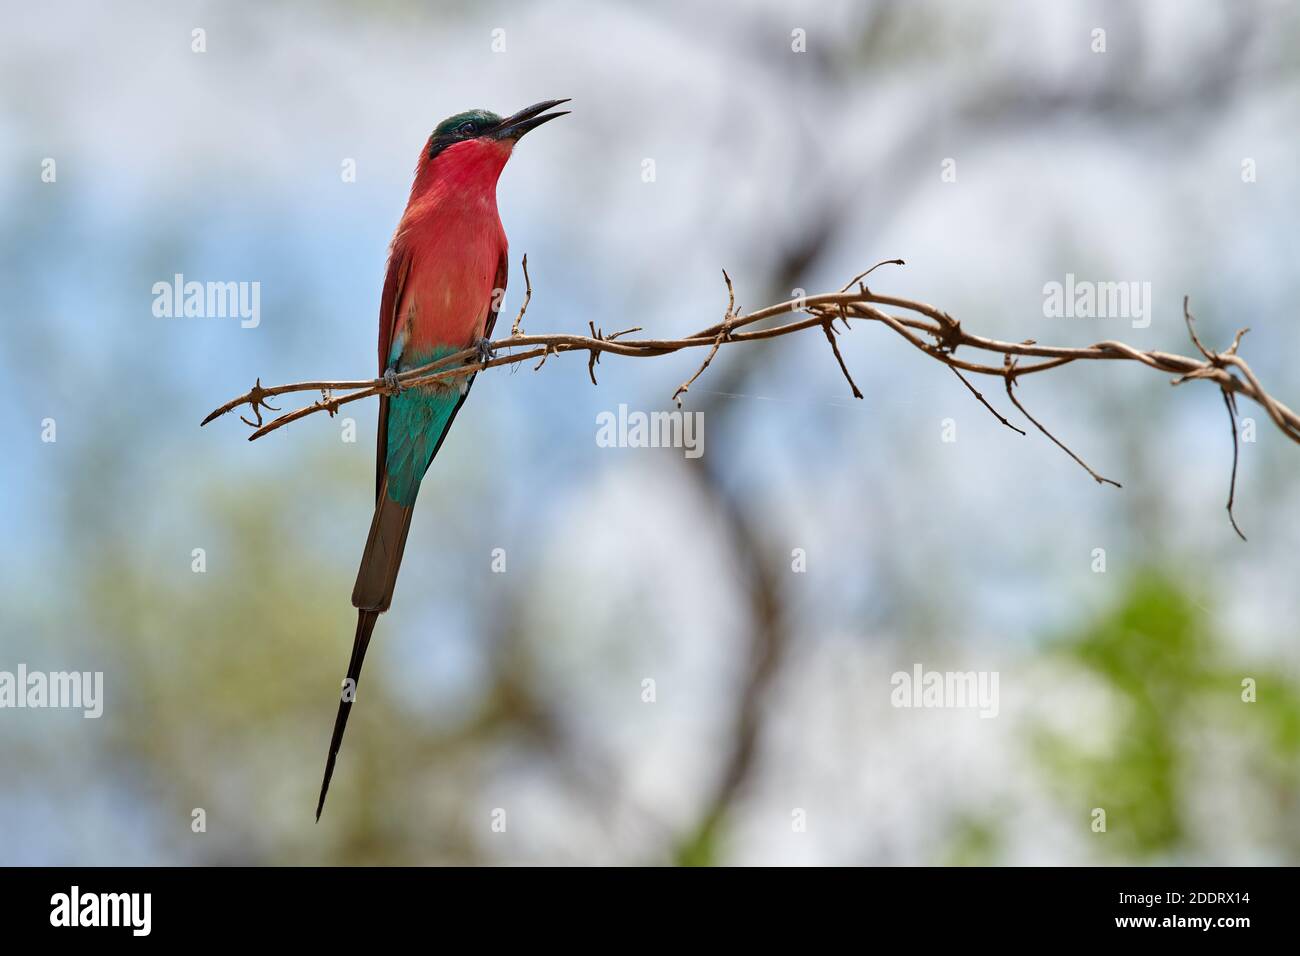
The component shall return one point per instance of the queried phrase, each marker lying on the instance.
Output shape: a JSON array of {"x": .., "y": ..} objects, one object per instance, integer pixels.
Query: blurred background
[{"x": 769, "y": 736}]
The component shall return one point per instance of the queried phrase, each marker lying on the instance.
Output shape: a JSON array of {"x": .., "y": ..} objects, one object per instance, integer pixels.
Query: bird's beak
[{"x": 513, "y": 127}]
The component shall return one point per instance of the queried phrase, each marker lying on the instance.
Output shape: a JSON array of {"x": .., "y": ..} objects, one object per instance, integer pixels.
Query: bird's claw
[
  {"x": 485, "y": 351},
  {"x": 391, "y": 382}
]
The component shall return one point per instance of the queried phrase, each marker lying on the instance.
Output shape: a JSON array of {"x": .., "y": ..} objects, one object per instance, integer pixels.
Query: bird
[{"x": 446, "y": 279}]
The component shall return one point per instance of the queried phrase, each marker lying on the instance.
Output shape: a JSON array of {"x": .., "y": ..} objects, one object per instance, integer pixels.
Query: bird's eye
[{"x": 465, "y": 128}]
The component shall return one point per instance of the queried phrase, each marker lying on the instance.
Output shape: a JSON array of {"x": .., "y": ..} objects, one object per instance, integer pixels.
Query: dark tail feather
[
  {"x": 383, "y": 557},
  {"x": 371, "y": 596},
  {"x": 365, "y": 626}
]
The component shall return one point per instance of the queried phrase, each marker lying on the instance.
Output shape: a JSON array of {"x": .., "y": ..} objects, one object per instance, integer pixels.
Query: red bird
[{"x": 446, "y": 279}]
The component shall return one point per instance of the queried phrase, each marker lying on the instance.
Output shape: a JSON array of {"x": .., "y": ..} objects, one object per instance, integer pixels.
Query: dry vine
[{"x": 854, "y": 301}]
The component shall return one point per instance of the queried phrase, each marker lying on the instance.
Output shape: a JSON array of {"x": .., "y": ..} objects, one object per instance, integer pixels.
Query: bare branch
[{"x": 928, "y": 329}]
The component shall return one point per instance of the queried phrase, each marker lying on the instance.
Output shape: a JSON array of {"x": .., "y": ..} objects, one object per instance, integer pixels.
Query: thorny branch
[{"x": 930, "y": 330}]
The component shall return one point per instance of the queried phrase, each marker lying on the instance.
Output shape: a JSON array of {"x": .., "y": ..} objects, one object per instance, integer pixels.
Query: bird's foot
[
  {"x": 391, "y": 382},
  {"x": 485, "y": 352}
]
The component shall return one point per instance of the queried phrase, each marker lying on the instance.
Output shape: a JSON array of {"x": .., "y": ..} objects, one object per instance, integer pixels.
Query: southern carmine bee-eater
[{"x": 446, "y": 278}]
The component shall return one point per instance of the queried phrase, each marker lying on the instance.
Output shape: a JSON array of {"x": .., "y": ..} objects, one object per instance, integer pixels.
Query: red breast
[{"x": 454, "y": 236}]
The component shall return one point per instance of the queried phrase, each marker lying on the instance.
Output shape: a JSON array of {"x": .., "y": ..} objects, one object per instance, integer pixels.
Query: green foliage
[
  {"x": 701, "y": 847},
  {"x": 1172, "y": 685},
  {"x": 972, "y": 841}
]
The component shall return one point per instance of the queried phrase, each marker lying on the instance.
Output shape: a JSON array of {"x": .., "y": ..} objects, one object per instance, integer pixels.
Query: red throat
[{"x": 472, "y": 167}]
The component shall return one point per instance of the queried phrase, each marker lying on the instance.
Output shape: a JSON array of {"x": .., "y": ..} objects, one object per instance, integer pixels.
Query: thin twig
[
  {"x": 830, "y": 337},
  {"x": 857, "y": 279},
  {"x": 1011, "y": 380},
  {"x": 724, "y": 332},
  {"x": 516, "y": 328},
  {"x": 974, "y": 391},
  {"x": 1231, "y": 402}
]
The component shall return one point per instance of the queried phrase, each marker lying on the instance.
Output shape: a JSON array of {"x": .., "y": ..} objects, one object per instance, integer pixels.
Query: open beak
[{"x": 513, "y": 127}]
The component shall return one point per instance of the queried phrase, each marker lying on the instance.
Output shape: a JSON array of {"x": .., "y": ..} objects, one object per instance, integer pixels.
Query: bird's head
[{"x": 482, "y": 133}]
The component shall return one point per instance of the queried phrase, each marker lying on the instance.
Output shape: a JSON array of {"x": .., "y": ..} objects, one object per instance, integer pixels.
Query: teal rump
[{"x": 417, "y": 420}]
